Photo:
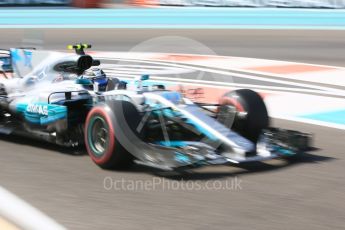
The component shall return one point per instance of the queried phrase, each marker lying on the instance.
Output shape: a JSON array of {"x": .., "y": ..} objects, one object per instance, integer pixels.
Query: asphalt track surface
[{"x": 305, "y": 194}]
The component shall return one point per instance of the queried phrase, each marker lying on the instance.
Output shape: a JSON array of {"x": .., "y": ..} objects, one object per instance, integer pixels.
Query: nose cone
[{"x": 218, "y": 132}]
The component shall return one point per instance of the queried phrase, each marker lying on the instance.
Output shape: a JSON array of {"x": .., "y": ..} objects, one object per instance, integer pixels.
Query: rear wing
[
  {"x": 5, "y": 61},
  {"x": 9, "y": 59},
  {"x": 18, "y": 62}
]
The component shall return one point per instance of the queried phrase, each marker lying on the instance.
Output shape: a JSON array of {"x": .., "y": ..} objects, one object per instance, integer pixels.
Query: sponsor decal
[
  {"x": 38, "y": 109},
  {"x": 41, "y": 113}
]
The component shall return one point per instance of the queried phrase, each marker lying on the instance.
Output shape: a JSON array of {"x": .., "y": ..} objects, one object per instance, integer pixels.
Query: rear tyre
[
  {"x": 101, "y": 140},
  {"x": 247, "y": 112}
]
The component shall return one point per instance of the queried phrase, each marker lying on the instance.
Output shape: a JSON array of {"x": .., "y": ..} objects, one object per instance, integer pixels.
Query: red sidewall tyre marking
[
  {"x": 232, "y": 101},
  {"x": 111, "y": 146}
]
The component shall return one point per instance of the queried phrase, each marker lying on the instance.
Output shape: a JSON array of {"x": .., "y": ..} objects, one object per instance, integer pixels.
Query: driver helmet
[{"x": 94, "y": 73}]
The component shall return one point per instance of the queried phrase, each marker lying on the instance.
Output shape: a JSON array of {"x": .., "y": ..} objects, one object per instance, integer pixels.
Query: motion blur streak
[{"x": 70, "y": 188}]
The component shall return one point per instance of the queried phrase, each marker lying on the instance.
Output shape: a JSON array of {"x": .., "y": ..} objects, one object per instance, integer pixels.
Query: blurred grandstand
[{"x": 222, "y": 3}]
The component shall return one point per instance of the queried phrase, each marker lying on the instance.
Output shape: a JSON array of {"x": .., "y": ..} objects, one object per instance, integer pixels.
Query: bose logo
[{"x": 39, "y": 109}]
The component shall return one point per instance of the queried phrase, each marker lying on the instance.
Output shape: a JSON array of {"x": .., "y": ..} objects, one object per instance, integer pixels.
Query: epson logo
[{"x": 39, "y": 109}]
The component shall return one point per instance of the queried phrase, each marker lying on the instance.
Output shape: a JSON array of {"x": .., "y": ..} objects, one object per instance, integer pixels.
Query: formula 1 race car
[{"x": 68, "y": 100}]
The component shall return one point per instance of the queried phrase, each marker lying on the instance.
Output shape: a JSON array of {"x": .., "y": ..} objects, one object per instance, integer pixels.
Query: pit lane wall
[{"x": 247, "y": 3}]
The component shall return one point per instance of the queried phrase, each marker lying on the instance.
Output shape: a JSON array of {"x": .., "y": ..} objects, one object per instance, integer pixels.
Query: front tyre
[
  {"x": 247, "y": 111},
  {"x": 101, "y": 142}
]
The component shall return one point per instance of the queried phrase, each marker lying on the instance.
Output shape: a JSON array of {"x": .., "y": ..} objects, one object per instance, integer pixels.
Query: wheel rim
[
  {"x": 98, "y": 136},
  {"x": 227, "y": 115}
]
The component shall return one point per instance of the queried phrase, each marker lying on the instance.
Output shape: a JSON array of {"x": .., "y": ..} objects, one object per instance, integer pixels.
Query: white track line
[
  {"x": 23, "y": 215},
  {"x": 337, "y": 81},
  {"x": 324, "y": 90},
  {"x": 225, "y": 85}
]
